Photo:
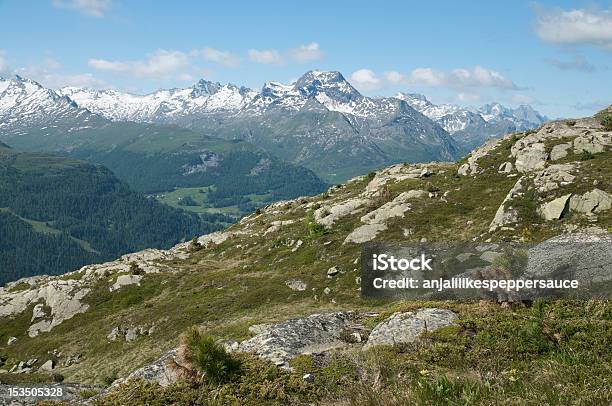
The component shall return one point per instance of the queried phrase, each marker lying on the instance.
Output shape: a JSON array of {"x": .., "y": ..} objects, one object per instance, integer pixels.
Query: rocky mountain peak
[
  {"x": 330, "y": 83},
  {"x": 205, "y": 88}
]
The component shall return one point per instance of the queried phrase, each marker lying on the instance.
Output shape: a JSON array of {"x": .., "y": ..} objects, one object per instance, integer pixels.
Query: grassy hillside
[{"x": 553, "y": 352}]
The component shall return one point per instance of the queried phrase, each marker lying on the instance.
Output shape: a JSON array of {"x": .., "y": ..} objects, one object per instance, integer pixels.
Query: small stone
[
  {"x": 131, "y": 334},
  {"x": 332, "y": 271},
  {"x": 308, "y": 378},
  {"x": 327, "y": 291},
  {"x": 11, "y": 341},
  {"x": 296, "y": 284}
]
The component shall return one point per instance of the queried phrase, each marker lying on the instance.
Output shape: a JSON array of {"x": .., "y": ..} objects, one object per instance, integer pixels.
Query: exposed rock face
[
  {"x": 593, "y": 143},
  {"x": 277, "y": 225},
  {"x": 506, "y": 167},
  {"x": 554, "y": 209},
  {"x": 315, "y": 333},
  {"x": 554, "y": 176},
  {"x": 506, "y": 214},
  {"x": 125, "y": 280},
  {"x": 47, "y": 366},
  {"x": 594, "y": 201},
  {"x": 130, "y": 333},
  {"x": 328, "y": 215},
  {"x": 532, "y": 157},
  {"x": 375, "y": 221},
  {"x": 560, "y": 151},
  {"x": 395, "y": 173},
  {"x": 407, "y": 327},
  {"x": 365, "y": 233},
  {"x": 63, "y": 297}
]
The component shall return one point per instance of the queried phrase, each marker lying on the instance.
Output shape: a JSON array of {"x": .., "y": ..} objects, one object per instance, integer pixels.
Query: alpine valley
[{"x": 269, "y": 311}]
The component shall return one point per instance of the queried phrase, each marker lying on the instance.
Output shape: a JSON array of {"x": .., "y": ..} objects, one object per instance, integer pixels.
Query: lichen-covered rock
[
  {"x": 295, "y": 284},
  {"x": 164, "y": 371},
  {"x": 364, "y": 233},
  {"x": 126, "y": 280},
  {"x": 594, "y": 201},
  {"x": 403, "y": 328},
  {"x": 587, "y": 255},
  {"x": 553, "y": 177},
  {"x": 312, "y": 334},
  {"x": 375, "y": 221},
  {"x": 328, "y": 215},
  {"x": 560, "y": 151},
  {"x": 531, "y": 158}
]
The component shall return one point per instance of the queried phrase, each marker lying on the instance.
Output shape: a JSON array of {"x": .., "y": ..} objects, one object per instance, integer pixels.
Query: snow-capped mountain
[
  {"x": 473, "y": 126},
  {"x": 207, "y": 98},
  {"x": 203, "y": 97},
  {"x": 320, "y": 121},
  {"x": 24, "y": 103}
]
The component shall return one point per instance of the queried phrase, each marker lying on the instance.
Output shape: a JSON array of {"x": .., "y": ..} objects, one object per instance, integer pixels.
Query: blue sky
[{"x": 555, "y": 55}]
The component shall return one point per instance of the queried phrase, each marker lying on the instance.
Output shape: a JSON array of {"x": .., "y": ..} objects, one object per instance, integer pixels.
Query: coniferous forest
[{"x": 57, "y": 214}]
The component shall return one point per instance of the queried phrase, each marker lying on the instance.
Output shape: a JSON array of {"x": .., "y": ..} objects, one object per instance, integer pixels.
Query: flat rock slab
[
  {"x": 407, "y": 327},
  {"x": 315, "y": 333}
]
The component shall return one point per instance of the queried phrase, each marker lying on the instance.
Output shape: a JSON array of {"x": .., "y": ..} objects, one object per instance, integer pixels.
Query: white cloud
[
  {"x": 224, "y": 58},
  {"x": 461, "y": 78},
  {"x": 468, "y": 97},
  {"x": 160, "y": 64},
  {"x": 576, "y": 27},
  {"x": 94, "y": 8},
  {"x": 301, "y": 54},
  {"x": 265, "y": 56},
  {"x": 579, "y": 63},
  {"x": 395, "y": 77},
  {"x": 366, "y": 79},
  {"x": 307, "y": 53}
]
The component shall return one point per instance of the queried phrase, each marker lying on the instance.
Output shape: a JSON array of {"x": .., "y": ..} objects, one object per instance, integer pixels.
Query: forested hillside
[{"x": 57, "y": 214}]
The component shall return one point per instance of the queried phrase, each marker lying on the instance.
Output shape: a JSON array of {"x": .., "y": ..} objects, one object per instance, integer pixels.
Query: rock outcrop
[
  {"x": 594, "y": 201},
  {"x": 402, "y": 328},
  {"x": 315, "y": 333}
]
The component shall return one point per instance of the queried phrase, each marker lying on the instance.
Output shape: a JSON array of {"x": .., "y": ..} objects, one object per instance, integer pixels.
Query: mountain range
[
  {"x": 473, "y": 126},
  {"x": 320, "y": 121}
]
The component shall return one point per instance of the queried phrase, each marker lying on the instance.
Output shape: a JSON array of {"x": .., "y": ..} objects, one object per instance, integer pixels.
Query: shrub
[
  {"x": 135, "y": 269},
  {"x": 209, "y": 357},
  {"x": 585, "y": 156},
  {"x": 109, "y": 379},
  {"x": 571, "y": 123},
  {"x": 371, "y": 175},
  {"x": 314, "y": 229},
  {"x": 195, "y": 245}
]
